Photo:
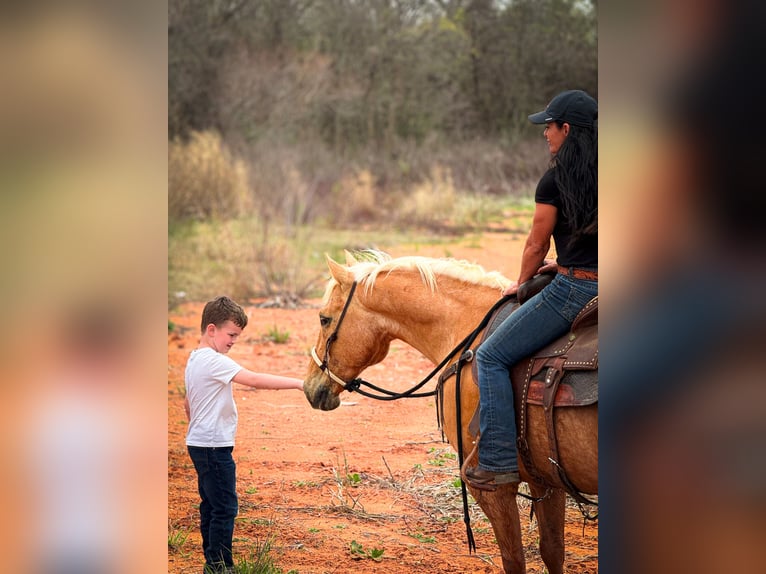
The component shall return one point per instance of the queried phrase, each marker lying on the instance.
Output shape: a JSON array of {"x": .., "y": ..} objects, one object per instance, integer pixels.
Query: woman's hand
[
  {"x": 548, "y": 266},
  {"x": 512, "y": 289}
]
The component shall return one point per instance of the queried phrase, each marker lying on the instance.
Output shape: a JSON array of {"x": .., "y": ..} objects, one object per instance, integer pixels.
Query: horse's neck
[{"x": 432, "y": 322}]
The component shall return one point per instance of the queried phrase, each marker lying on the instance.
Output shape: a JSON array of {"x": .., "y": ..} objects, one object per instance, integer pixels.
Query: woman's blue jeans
[
  {"x": 539, "y": 321},
  {"x": 217, "y": 482}
]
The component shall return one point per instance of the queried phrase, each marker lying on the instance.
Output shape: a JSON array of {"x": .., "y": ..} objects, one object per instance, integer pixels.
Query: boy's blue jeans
[
  {"x": 217, "y": 481},
  {"x": 539, "y": 321}
]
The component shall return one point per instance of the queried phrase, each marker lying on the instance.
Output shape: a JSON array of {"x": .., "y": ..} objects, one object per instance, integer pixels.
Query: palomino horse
[{"x": 432, "y": 304}]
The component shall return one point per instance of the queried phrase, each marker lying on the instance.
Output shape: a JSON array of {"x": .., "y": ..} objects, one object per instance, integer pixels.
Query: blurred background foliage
[
  {"x": 375, "y": 113},
  {"x": 357, "y": 73}
]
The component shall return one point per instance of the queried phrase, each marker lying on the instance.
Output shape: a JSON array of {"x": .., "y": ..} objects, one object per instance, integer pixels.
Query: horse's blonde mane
[{"x": 366, "y": 266}]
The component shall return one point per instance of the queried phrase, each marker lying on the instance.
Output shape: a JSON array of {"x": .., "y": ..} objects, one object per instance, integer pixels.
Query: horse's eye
[{"x": 325, "y": 321}]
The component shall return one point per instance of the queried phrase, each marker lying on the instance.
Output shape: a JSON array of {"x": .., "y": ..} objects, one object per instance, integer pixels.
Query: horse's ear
[
  {"x": 338, "y": 272},
  {"x": 350, "y": 259}
]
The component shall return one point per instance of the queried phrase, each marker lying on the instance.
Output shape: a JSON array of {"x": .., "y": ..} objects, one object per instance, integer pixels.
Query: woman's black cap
[{"x": 572, "y": 106}]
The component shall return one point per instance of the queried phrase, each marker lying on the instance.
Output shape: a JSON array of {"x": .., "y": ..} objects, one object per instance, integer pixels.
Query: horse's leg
[
  {"x": 503, "y": 513},
  {"x": 550, "y": 525}
]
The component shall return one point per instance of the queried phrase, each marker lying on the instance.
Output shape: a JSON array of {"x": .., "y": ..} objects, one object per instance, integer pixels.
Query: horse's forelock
[{"x": 328, "y": 290}]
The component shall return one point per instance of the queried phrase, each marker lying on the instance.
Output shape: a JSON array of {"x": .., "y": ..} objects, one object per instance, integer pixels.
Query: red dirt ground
[{"x": 329, "y": 490}]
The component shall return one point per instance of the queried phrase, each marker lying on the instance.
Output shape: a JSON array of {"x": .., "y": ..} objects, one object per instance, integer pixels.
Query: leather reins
[{"x": 355, "y": 385}]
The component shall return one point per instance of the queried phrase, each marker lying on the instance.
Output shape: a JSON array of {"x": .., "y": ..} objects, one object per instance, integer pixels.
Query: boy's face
[{"x": 223, "y": 338}]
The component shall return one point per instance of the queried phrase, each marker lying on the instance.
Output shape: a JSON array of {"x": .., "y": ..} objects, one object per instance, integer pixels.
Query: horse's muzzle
[{"x": 320, "y": 396}]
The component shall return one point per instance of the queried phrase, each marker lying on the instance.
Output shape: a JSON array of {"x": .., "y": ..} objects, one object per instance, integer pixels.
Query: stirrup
[{"x": 488, "y": 483}]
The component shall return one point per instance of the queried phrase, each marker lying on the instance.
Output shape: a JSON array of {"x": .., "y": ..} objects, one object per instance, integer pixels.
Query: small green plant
[
  {"x": 278, "y": 336},
  {"x": 259, "y": 562},
  {"x": 448, "y": 519},
  {"x": 358, "y": 552},
  {"x": 441, "y": 457},
  {"x": 251, "y": 490},
  {"x": 345, "y": 480},
  {"x": 422, "y": 538},
  {"x": 354, "y": 478},
  {"x": 177, "y": 539}
]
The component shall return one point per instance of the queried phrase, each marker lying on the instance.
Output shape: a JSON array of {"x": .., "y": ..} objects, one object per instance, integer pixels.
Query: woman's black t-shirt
[{"x": 580, "y": 253}]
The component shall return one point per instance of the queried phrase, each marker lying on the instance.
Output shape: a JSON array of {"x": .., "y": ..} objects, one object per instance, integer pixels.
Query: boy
[{"x": 212, "y": 418}]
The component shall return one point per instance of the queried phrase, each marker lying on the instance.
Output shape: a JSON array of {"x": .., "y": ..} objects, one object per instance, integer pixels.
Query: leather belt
[{"x": 578, "y": 273}]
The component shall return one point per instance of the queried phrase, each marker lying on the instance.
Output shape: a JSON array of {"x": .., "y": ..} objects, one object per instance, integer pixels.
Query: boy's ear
[{"x": 210, "y": 329}]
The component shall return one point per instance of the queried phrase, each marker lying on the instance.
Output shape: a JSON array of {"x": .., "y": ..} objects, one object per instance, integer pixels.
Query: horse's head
[{"x": 351, "y": 338}]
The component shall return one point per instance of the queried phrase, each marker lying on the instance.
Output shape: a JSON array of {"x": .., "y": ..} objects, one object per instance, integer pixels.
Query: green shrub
[{"x": 278, "y": 336}]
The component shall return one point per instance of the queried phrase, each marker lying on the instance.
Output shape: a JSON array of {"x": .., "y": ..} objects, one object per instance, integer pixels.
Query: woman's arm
[{"x": 537, "y": 245}]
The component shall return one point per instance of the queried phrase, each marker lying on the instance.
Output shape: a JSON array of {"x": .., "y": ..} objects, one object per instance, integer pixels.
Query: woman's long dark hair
[{"x": 576, "y": 176}]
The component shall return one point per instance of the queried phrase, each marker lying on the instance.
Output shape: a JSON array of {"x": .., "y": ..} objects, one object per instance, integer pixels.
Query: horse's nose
[{"x": 320, "y": 397}]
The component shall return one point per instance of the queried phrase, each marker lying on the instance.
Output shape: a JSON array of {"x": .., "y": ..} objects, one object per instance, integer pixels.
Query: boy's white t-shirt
[{"x": 213, "y": 412}]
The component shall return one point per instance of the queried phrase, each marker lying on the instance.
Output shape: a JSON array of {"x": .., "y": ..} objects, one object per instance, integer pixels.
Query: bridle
[
  {"x": 382, "y": 394},
  {"x": 323, "y": 364},
  {"x": 355, "y": 385}
]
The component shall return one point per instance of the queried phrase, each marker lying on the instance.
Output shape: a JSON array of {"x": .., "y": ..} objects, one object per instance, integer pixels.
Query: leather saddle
[
  {"x": 570, "y": 356},
  {"x": 564, "y": 373}
]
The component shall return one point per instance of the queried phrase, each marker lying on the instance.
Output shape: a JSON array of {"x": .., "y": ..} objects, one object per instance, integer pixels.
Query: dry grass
[
  {"x": 356, "y": 200},
  {"x": 238, "y": 258},
  {"x": 256, "y": 220},
  {"x": 205, "y": 180},
  {"x": 431, "y": 202}
]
